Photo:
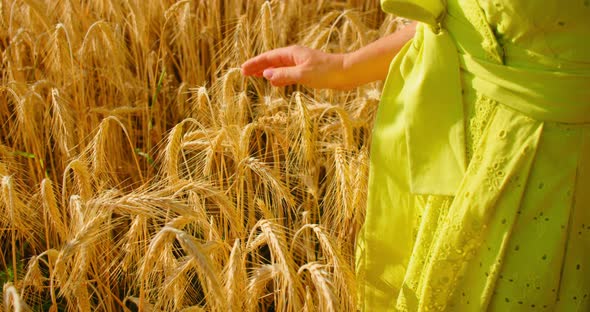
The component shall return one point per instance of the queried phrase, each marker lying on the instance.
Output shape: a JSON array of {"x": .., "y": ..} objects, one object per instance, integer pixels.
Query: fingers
[
  {"x": 281, "y": 57},
  {"x": 284, "y": 76}
]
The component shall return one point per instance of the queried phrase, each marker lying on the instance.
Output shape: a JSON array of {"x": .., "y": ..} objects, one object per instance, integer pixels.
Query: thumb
[{"x": 283, "y": 76}]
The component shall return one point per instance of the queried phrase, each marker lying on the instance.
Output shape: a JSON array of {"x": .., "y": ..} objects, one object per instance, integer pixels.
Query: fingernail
[{"x": 267, "y": 73}]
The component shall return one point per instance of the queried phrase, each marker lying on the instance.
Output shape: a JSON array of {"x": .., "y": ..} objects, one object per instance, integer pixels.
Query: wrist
[
  {"x": 345, "y": 61},
  {"x": 346, "y": 66}
]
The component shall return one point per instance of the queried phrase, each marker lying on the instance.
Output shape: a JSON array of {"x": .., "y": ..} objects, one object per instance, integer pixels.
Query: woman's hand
[
  {"x": 316, "y": 69},
  {"x": 299, "y": 65}
]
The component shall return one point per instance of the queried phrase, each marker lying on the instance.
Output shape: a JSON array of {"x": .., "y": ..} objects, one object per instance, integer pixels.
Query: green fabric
[
  {"x": 551, "y": 96},
  {"x": 430, "y": 113},
  {"x": 427, "y": 11},
  {"x": 480, "y": 162}
]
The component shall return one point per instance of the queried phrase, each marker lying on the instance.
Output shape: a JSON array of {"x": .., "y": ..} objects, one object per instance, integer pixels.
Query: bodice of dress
[
  {"x": 541, "y": 71},
  {"x": 549, "y": 35},
  {"x": 551, "y": 30},
  {"x": 467, "y": 44}
]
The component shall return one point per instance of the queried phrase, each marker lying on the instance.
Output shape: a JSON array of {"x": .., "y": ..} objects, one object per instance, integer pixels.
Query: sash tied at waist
[
  {"x": 435, "y": 126},
  {"x": 544, "y": 95}
]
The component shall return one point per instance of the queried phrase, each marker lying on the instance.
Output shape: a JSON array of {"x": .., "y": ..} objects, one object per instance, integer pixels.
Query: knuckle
[{"x": 298, "y": 48}]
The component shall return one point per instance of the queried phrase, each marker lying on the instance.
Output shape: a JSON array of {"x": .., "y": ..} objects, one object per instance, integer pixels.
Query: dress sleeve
[{"x": 426, "y": 11}]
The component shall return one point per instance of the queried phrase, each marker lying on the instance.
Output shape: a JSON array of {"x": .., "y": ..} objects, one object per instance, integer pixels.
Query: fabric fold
[{"x": 435, "y": 125}]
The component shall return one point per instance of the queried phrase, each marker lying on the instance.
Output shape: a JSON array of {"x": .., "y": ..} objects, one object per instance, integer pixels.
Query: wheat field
[{"x": 140, "y": 171}]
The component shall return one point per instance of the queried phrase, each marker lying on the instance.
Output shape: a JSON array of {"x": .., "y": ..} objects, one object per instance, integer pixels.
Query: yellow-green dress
[{"x": 479, "y": 191}]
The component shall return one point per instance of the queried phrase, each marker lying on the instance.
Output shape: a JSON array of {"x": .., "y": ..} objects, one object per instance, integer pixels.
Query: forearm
[{"x": 371, "y": 63}]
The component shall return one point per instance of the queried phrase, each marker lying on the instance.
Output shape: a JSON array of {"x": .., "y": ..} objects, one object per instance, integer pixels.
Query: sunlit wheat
[{"x": 140, "y": 170}]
